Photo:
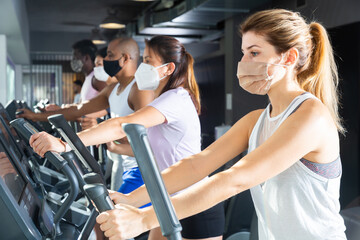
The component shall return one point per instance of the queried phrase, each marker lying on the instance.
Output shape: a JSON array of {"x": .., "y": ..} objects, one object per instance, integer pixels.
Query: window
[{"x": 10, "y": 78}]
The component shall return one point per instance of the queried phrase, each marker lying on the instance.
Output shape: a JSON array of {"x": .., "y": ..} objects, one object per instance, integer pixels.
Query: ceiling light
[
  {"x": 111, "y": 22},
  {"x": 99, "y": 42},
  {"x": 96, "y": 37}
]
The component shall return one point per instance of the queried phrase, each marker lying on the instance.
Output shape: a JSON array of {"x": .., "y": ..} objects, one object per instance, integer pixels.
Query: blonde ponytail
[{"x": 321, "y": 77}]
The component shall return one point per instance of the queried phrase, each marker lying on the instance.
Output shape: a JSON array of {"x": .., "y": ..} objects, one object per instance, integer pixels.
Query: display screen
[
  {"x": 7, "y": 121},
  {"x": 11, "y": 109}
]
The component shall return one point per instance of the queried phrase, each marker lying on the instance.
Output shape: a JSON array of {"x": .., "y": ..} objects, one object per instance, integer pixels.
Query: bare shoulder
[
  {"x": 136, "y": 93},
  {"x": 313, "y": 113},
  {"x": 254, "y": 115},
  {"x": 313, "y": 121},
  {"x": 108, "y": 89},
  {"x": 134, "y": 89},
  {"x": 249, "y": 120}
]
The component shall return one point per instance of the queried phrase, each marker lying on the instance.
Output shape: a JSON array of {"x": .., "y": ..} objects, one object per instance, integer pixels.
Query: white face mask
[
  {"x": 100, "y": 73},
  {"x": 147, "y": 77}
]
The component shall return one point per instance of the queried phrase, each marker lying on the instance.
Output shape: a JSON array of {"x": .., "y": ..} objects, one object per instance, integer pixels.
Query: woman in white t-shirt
[{"x": 173, "y": 126}]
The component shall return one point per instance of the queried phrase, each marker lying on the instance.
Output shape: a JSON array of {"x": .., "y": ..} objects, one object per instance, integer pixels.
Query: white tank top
[
  {"x": 87, "y": 91},
  {"x": 119, "y": 107},
  {"x": 297, "y": 204}
]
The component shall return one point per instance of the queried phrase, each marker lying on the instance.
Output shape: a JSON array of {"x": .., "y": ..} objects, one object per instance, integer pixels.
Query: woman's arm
[
  {"x": 138, "y": 99},
  {"x": 111, "y": 130},
  {"x": 121, "y": 148},
  {"x": 104, "y": 132},
  {"x": 145, "y": 115},
  {"x": 303, "y": 132},
  {"x": 98, "y": 114},
  {"x": 194, "y": 168}
]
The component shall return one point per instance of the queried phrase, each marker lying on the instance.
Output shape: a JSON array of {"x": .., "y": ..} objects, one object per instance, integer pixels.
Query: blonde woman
[{"x": 293, "y": 166}]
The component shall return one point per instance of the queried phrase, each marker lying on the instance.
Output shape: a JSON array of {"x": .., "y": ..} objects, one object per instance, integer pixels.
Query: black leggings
[{"x": 209, "y": 223}]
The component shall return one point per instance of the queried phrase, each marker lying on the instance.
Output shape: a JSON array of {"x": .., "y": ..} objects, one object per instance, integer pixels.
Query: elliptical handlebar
[
  {"x": 169, "y": 223},
  {"x": 100, "y": 196},
  {"x": 26, "y": 130},
  {"x": 94, "y": 187},
  {"x": 61, "y": 125}
]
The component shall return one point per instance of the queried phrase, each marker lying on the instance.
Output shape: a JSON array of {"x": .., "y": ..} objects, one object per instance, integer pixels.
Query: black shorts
[{"x": 209, "y": 223}]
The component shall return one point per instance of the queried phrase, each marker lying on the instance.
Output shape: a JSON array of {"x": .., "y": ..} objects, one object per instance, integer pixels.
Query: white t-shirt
[{"x": 180, "y": 136}]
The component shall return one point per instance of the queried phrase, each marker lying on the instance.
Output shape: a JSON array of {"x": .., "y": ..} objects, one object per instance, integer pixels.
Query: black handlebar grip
[
  {"x": 25, "y": 128},
  {"x": 93, "y": 178},
  {"x": 99, "y": 195}
]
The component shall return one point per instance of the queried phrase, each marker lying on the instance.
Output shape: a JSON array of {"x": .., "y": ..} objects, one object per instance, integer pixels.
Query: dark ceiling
[
  {"x": 52, "y": 26},
  {"x": 55, "y": 25},
  {"x": 79, "y": 15}
]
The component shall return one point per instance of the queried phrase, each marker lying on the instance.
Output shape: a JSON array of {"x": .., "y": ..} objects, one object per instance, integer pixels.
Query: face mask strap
[
  {"x": 162, "y": 65},
  {"x": 274, "y": 64},
  {"x": 268, "y": 77},
  {"x": 278, "y": 64},
  {"x": 163, "y": 77}
]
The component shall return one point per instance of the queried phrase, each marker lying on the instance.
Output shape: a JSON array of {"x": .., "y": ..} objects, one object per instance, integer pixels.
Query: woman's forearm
[
  {"x": 207, "y": 194},
  {"x": 194, "y": 168},
  {"x": 177, "y": 177},
  {"x": 182, "y": 170},
  {"x": 98, "y": 114},
  {"x": 200, "y": 197},
  {"x": 104, "y": 132},
  {"x": 122, "y": 149}
]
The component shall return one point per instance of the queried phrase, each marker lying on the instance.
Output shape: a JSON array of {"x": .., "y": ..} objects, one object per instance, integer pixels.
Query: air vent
[{"x": 181, "y": 8}]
